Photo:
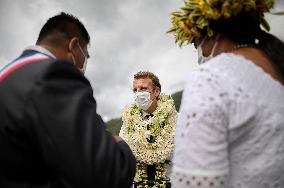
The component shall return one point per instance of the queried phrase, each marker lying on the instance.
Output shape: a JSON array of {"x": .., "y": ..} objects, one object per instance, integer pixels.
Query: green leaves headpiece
[{"x": 195, "y": 16}]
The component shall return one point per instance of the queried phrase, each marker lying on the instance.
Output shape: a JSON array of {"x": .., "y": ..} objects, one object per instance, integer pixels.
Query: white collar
[
  {"x": 41, "y": 50},
  {"x": 144, "y": 114}
]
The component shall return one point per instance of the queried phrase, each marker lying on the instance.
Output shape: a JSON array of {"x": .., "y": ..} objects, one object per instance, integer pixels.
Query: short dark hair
[
  {"x": 66, "y": 26},
  {"x": 150, "y": 75}
]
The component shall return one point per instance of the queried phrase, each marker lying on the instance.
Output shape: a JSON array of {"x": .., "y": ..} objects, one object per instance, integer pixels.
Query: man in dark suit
[{"x": 50, "y": 133}]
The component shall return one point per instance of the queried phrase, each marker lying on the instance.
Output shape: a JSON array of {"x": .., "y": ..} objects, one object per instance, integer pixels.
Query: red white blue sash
[{"x": 18, "y": 63}]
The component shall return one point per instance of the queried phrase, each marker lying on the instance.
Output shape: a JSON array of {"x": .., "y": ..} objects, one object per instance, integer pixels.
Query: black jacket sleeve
[{"x": 71, "y": 136}]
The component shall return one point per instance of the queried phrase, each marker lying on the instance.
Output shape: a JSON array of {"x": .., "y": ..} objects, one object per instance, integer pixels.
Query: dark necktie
[
  {"x": 148, "y": 116},
  {"x": 151, "y": 169}
]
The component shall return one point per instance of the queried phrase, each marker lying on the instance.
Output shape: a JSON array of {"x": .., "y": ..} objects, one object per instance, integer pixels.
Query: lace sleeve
[{"x": 200, "y": 156}]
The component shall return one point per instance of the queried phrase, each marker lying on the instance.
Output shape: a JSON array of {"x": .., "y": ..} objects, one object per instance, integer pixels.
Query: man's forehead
[{"x": 142, "y": 81}]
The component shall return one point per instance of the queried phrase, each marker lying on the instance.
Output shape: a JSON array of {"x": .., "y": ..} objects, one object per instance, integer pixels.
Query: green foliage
[
  {"x": 114, "y": 125},
  {"x": 177, "y": 99}
]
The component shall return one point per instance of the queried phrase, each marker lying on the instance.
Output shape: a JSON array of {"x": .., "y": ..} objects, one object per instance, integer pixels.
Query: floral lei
[
  {"x": 141, "y": 180},
  {"x": 151, "y": 140}
]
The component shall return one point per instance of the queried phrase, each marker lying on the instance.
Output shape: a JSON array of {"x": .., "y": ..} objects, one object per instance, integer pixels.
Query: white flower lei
[{"x": 160, "y": 129}]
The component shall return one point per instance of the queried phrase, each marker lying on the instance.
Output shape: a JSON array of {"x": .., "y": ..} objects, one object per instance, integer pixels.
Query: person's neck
[
  {"x": 224, "y": 45},
  {"x": 152, "y": 108},
  {"x": 56, "y": 51}
]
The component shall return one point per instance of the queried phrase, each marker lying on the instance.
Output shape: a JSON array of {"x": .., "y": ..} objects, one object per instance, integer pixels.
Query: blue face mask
[{"x": 201, "y": 58}]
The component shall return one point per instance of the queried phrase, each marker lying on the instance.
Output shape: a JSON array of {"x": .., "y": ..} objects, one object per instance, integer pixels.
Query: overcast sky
[{"x": 126, "y": 36}]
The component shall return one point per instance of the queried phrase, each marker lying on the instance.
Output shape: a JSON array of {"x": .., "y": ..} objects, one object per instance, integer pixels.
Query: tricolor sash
[{"x": 18, "y": 63}]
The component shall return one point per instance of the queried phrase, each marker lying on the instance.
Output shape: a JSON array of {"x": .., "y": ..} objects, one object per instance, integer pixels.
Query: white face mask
[
  {"x": 143, "y": 100},
  {"x": 201, "y": 58},
  {"x": 83, "y": 70}
]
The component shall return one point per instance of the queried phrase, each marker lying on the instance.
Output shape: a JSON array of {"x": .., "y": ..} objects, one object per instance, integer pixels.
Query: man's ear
[
  {"x": 73, "y": 44},
  {"x": 157, "y": 91}
]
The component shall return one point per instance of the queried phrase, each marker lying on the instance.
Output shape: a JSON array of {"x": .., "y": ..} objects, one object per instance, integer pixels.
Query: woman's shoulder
[
  {"x": 225, "y": 69},
  {"x": 213, "y": 71},
  {"x": 226, "y": 62},
  {"x": 223, "y": 77}
]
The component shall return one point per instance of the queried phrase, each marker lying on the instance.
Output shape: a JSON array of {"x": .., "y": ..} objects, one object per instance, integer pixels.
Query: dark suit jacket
[{"x": 50, "y": 133}]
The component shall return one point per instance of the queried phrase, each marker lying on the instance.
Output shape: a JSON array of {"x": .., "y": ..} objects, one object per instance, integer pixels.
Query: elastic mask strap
[{"x": 215, "y": 45}]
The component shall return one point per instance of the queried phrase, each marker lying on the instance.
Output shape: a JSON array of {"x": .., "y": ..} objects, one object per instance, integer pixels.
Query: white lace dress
[{"x": 230, "y": 130}]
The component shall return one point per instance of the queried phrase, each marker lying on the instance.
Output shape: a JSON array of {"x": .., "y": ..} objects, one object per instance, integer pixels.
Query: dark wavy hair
[{"x": 147, "y": 74}]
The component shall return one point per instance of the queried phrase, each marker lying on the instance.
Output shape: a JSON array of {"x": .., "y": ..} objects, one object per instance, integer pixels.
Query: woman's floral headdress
[{"x": 191, "y": 19}]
